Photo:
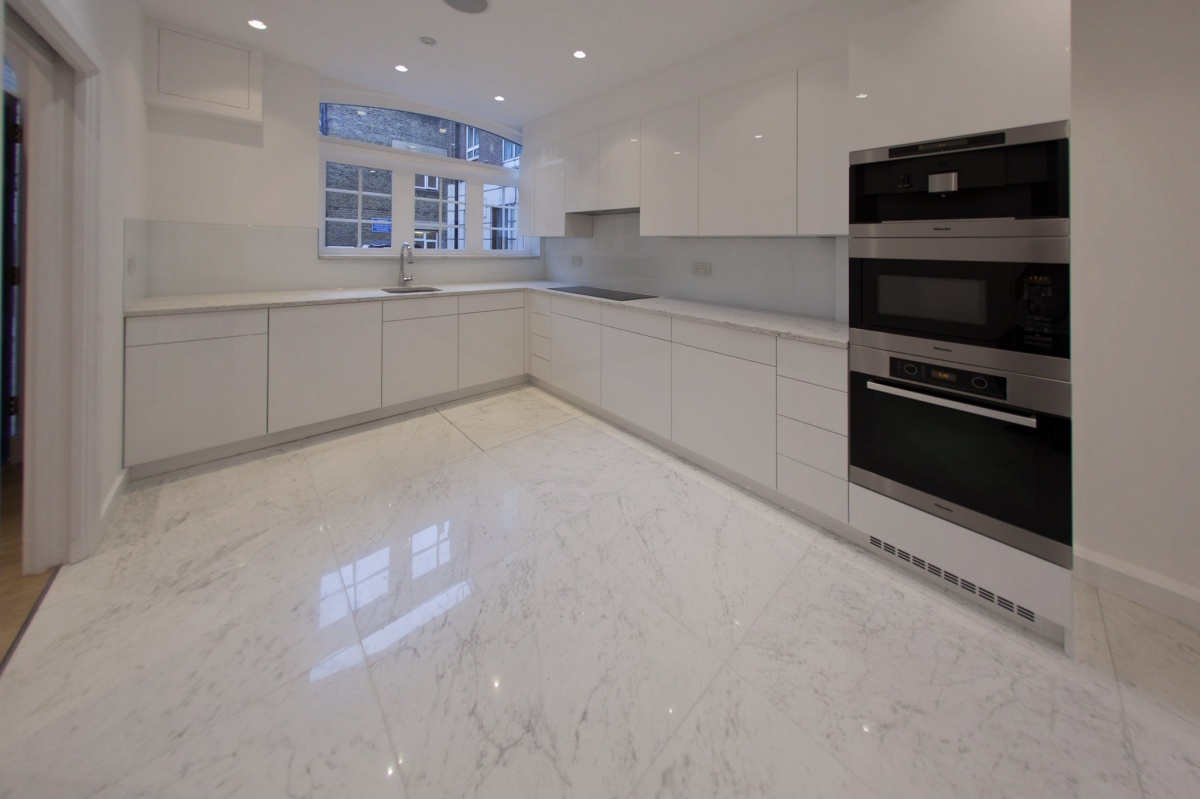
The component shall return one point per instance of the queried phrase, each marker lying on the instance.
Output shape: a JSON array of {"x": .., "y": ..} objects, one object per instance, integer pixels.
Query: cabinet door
[
  {"x": 943, "y": 68},
  {"x": 190, "y": 395},
  {"x": 420, "y": 358},
  {"x": 822, "y": 157},
  {"x": 491, "y": 346},
  {"x": 581, "y": 178},
  {"x": 636, "y": 373},
  {"x": 670, "y": 166},
  {"x": 724, "y": 408},
  {"x": 748, "y": 159},
  {"x": 618, "y": 166},
  {"x": 324, "y": 362},
  {"x": 575, "y": 357}
]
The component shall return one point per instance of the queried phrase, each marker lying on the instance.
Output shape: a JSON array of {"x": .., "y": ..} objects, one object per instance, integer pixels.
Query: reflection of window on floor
[
  {"x": 365, "y": 580},
  {"x": 430, "y": 548}
]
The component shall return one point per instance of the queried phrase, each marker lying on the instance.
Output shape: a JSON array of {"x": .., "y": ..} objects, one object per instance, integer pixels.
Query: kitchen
[{"x": 1107, "y": 504}]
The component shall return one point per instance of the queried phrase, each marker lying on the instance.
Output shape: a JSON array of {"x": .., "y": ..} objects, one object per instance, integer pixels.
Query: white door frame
[{"x": 62, "y": 493}]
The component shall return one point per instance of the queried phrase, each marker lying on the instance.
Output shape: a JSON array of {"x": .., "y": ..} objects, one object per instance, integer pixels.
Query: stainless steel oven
[{"x": 987, "y": 449}]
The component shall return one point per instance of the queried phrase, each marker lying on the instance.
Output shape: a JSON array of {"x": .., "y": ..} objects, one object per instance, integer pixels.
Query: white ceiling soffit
[{"x": 519, "y": 49}]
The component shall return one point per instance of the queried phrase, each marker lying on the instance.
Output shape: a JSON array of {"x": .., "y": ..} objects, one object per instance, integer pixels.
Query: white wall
[
  {"x": 789, "y": 275},
  {"x": 1136, "y": 276}
]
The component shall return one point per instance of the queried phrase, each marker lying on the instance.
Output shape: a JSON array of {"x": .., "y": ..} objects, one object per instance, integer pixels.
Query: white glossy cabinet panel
[
  {"x": 186, "y": 396},
  {"x": 822, "y": 155},
  {"x": 814, "y": 446},
  {"x": 540, "y": 368},
  {"x": 187, "y": 70},
  {"x": 473, "y": 303},
  {"x": 141, "y": 330},
  {"x": 748, "y": 159},
  {"x": 491, "y": 346},
  {"x": 582, "y": 181},
  {"x": 816, "y": 405},
  {"x": 648, "y": 324},
  {"x": 618, "y": 165},
  {"x": 419, "y": 308},
  {"x": 539, "y": 346},
  {"x": 637, "y": 379},
  {"x": 539, "y": 324},
  {"x": 539, "y": 303},
  {"x": 670, "y": 166},
  {"x": 420, "y": 358},
  {"x": 324, "y": 363},
  {"x": 724, "y": 409},
  {"x": 578, "y": 309},
  {"x": 725, "y": 340},
  {"x": 575, "y": 357},
  {"x": 815, "y": 488},
  {"x": 942, "y": 68},
  {"x": 814, "y": 363},
  {"x": 543, "y": 200}
]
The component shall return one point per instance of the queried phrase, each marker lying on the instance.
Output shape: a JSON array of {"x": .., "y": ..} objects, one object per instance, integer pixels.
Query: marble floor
[{"x": 504, "y": 597}]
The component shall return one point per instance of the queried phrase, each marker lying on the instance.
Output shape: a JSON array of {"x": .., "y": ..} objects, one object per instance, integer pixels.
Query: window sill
[{"x": 418, "y": 256}]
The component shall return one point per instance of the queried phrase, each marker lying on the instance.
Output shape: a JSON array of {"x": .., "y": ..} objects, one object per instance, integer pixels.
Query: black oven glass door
[
  {"x": 1022, "y": 307},
  {"x": 1007, "y": 464}
]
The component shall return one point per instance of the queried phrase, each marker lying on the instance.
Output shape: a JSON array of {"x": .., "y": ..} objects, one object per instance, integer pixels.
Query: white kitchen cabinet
[
  {"x": 618, "y": 166},
  {"x": 723, "y": 408},
  {"x": 822, "y": 156},
  {"x": 636, "y": 377},
  {"x": 420, "y": 358},
  {"x": 747, "y": 141},
  {"x": 943, "y": 68},
  {"x": 582, "y": 172},
  {"x": 491, "y": 346},
  {"x": 670, "y": 171},
  {"x": 187, "y": 70},
  {"x": 324, "y": 363},
  {"x": 814, "y": 363},
  {"x": 575, "y": 362},
  {"x": 815, "y": 405},
  {"x": 184, "y": 396},
  {"x": 815, "y": 488},
  {"x": 543, "y": 201}
]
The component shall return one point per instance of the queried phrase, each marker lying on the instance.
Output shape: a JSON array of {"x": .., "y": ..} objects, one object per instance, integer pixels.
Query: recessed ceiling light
[
  {"x": 676, "y": 152},
  {"x": 499, "y": 99},
  {"x": 401, "y": 68},
  {"x": 580, "y": 54},
  {"x": 257, "y": 24},
  {"x": 633, "y": 139},
  {"x": 468, "y": 6},
  {"x": 758, "y": 136},
  {"x": 860, "y": 96},
  {"x": 429, "y": 40}
]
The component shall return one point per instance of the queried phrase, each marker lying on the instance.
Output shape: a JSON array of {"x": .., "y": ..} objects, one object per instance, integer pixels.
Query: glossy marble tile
[
  {"x": 706, "y": 553},
  {"x": 505, "y": 416},
  {"x": 923, "y": 698},
  {"x": 545, "y": 675},
  {"x": 351, "y": 463},
  {"x": 1088, "y": 633},
  {"x": 1154, "y": 654},
  {"x": 1167, "y": 746},
  {"x": 734, "y": 743}
]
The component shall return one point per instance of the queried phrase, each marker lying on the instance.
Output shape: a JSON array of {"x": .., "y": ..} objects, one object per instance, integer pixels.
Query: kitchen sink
[{"x": 410, "y": 289}]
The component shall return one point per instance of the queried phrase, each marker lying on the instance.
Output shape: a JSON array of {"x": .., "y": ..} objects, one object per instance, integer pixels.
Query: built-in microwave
[
  {"x": 1002, "y": 183},
  {"x": 1002, "y": 303}
]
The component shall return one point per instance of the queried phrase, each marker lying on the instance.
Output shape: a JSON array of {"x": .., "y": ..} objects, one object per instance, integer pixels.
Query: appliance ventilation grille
[{"x": 949, "y": 577}]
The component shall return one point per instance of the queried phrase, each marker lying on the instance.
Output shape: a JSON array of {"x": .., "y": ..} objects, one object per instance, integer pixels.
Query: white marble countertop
[{"x": 801, "y": 328}]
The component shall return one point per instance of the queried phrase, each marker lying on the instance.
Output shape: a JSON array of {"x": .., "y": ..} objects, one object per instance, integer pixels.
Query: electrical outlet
[
  {"x": 576, "y": 260},
  {"x": 702, "y": 270}
]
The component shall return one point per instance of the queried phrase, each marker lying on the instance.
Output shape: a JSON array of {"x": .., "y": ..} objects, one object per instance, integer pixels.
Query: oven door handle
[{"x": 1024, "y": 421}]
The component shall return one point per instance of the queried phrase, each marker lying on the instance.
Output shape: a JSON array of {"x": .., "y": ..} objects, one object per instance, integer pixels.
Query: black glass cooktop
[{"x": 607, "y": 294}]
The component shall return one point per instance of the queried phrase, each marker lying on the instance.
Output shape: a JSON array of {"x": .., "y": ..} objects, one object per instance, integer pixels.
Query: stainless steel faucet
[{"x": 404, "y": 278}]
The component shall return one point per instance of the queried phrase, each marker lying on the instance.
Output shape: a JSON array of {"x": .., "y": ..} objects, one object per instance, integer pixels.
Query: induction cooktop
[{"x": 607, "y": 294}]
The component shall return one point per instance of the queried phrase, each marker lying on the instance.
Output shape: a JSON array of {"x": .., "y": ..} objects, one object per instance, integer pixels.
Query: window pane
[
  {"x": 341, "y": 234},
  {"x": 341, "y": 205},
  {"x": 376, "y": 206},
  {"x": 341, "y": 176},
  {"x": 500, "y": 218},
  {"x": 377, "y": 180},
  {"x": 358, "y": 206},
  {"x": 440, "y": 213},
  {"x": 426, "y": 211},
  {"x": 377, "y": 234}
]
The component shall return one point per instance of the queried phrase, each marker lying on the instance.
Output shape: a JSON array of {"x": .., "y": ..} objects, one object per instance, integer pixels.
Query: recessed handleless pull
[{"x": 1024, "y": 421}]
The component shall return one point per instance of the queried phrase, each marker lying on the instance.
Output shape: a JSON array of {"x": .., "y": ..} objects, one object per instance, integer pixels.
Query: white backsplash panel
[{"x": 788, "y": 275}]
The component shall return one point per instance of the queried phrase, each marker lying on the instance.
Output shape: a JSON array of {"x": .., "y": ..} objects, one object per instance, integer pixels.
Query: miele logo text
[
  {"x": 943, "y": 349},
  {"x": 935, "y": 227},
  {"x": 943, "y": 507}
]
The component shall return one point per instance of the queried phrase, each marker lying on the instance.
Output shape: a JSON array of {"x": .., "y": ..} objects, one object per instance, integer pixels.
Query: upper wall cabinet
[
  {"x": 582, "y": 177},
  {"x": 191, "y": 71},
  {"x": 822, "y": 157},
  {"x": 748, "y": 159},
  {"x": 618, "y": 163},
  {"x": 670, "y": 167},
  {"x": 543, "y": 207},
  {"x": 942, "y": 68}
]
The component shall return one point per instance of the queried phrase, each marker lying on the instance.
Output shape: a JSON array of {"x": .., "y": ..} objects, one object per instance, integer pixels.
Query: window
[
  {"x": 358, "y": 206},
  {"x": 512, "y": 154},
  {"x": 472, "y": 144},
  {"x": 440, "y": 214},
  {"x": 500, "y": 218}
]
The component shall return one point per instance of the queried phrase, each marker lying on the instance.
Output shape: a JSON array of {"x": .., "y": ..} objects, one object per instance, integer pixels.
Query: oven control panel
[{"x": 964, "y": 380}]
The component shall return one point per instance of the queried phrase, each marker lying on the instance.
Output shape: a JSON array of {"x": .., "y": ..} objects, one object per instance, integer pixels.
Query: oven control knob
[
  {"x": 910, "y": 369},
  {"x": 979, "y": 382}
]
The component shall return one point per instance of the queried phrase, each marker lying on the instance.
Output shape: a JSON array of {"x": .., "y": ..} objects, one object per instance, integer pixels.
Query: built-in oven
[
  {"x": 1002, "y": 303},
  {"x": 1001, "y": 183},
  {"x": 986, "y": 449}
]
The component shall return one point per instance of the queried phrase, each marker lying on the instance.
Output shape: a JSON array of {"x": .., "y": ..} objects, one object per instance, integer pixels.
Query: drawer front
[
  {"x": 474, "y": 303},
  {"x": 577, "y": 309},
  {"x": 813, "y": 446},
  {"x": 539, "y": 324},
  {"x": 170, "y": 328},
  {"x": 643, "y": 322},
  {"x": 419, "y": 308},
  {"x": 725, "y": 340},
  {"x": 540, "y": 368},
  {"x": 814, "y": 363},
  {"x": 539, "y": 302},
  {"x": 539, "y": 346},
  {"x": 815, "y": 488},
  {"x": 816, "y": 405}
]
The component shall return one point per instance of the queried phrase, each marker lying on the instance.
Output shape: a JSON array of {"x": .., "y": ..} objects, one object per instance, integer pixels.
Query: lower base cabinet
[
  {"x": 491, "y": 346},
  {"x": 637, "y": 379},
  {"x": 420, "y": 358},
  {"x": 575, "y": 357}
]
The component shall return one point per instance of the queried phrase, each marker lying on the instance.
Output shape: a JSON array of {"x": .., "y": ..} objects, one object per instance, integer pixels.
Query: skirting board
[{"x": 1158, "y": 592}]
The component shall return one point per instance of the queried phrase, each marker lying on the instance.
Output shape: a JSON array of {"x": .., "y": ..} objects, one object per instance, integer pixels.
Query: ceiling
[{"x": 519, "y": 49}]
